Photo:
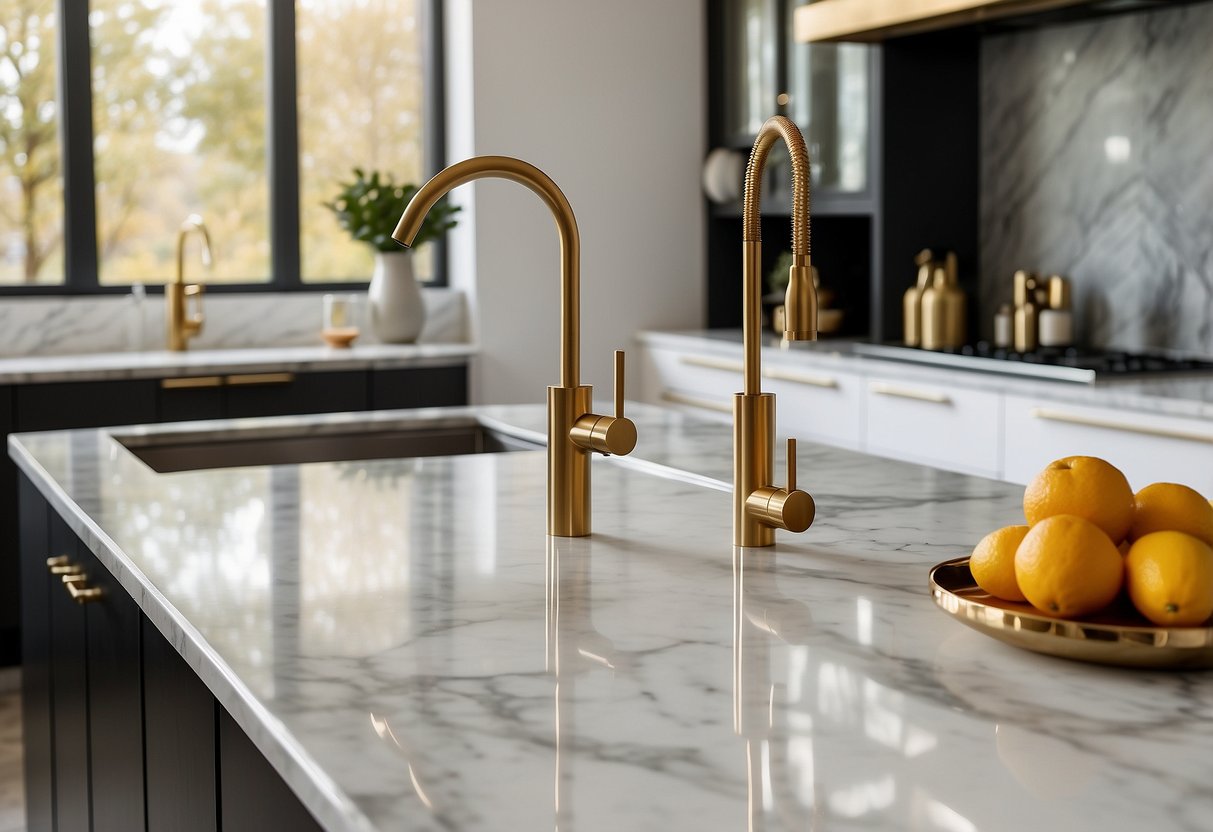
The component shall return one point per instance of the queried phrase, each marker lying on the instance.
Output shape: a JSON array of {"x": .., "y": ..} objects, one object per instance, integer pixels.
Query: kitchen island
[{"x": 408, "y": 650}]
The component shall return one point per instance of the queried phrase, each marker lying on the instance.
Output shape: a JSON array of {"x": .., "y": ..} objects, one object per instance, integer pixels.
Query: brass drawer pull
[
  {"x": 1111, "y": 424},
  {"x": 713, "y": 363},
  {"x": 694, "y": 401},
  {"x": 60, "y": 565},
  {"x": 190, "y": 382},
  {"x": 250, "y": 379},
  {"x": 882, "y": 389},
  {"x": 800, "y": 378},
  {"x": 81, "y": 593}
]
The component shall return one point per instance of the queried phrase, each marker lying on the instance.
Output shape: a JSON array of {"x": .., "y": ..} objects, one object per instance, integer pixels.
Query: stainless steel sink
[{"x": 172, "y": 451}]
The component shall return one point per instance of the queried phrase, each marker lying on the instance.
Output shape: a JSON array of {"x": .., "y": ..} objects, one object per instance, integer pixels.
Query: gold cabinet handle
[
  {"x": 882, "y": 389},
  {"x": 694, "y": 401},
  {"x": 190, "y": 382},
  {"x": 78, "y": 588},
  {"x": 57, "y": 563},
  {"x": 713, "y": 363},
  {"x": 779, "y": 374},
  {"x": 1111, "y": 424},
  {"x": 250, "y": 379}
]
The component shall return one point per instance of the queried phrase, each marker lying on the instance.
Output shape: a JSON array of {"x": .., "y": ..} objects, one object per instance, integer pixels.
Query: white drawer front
[
  {"x": 958, "y": 430},
  {"x": 1147, "y": 447},
  {"x": 817, "y": 405}
]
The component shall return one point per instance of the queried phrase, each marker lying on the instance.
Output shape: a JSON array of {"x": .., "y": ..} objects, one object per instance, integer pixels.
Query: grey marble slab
[
  {"x": 1181, "y": 394},
  {"x": 162, "y": 363},
  {"x": 410, "y": 651}
]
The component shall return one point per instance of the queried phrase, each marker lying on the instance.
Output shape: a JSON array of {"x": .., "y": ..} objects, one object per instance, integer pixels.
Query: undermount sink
[{"x": 174, "y": 451}]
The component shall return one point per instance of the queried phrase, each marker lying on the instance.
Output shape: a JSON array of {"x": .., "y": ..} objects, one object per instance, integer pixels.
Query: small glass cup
[{"x": 340, "y": 325}]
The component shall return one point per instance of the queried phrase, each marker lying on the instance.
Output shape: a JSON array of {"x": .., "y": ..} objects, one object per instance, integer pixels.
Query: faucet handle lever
[
  {"x": 791, "y": 464},
  {"x": 607, "y": 434},
  {"x": 619, "y": 385}
]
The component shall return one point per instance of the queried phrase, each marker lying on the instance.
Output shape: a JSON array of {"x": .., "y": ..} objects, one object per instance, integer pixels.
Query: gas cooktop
[{"x": 1068, "y": 364}]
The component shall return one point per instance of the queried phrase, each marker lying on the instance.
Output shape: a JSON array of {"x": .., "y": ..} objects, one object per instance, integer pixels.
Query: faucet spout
[
  {"x": 182, "y": 325},
  {"x": 524, "y": 173}
]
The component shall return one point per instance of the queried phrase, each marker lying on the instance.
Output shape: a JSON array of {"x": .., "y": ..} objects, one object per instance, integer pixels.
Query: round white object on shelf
[{"x": 724, "y": 175}]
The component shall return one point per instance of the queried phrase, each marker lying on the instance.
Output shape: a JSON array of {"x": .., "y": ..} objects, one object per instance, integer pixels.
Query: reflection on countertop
[{"x": 409, "y": 650}]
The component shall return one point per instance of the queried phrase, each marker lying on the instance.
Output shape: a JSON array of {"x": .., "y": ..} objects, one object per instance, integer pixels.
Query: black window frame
[{"x": 75, "y": 94}]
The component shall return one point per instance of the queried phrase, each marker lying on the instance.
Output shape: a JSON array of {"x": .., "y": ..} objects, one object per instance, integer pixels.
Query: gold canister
[
  {"x": 911, "y": 301},
  {"x": 1059, "y": 292},
  {"x": 1025, "y": 287},
  {"x": 954, "y": 329},
  {"x": 932, "y": 313},
  {"x": 1025, "y": 327}
]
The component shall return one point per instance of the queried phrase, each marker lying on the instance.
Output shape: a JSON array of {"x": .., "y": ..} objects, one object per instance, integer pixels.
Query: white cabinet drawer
[
  {"x": 958, "y": 430},
  {"x": 703, "y": 385},
  {"x": 817, "y": 405},
  {"x": 1147, "y": 447}
]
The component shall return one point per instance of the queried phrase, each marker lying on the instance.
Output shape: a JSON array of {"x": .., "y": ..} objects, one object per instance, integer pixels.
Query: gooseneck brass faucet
[
  {"x": 181, "y": 325},
  {"x": 759, "y": 507},
  {"x": 574, "y": 430}
]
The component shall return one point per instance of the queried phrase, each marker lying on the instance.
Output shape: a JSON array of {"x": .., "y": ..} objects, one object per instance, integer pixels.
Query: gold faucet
[
  {"x": 759, "y": 507},
  {"x": 181, "y": 325},
  {"x": 574, "y": 430}
]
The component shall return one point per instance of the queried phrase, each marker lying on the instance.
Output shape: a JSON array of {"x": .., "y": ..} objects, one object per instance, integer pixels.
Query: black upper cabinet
[
  {"x": 282, "y": 394},
  {"x": 84, "y": 404}
]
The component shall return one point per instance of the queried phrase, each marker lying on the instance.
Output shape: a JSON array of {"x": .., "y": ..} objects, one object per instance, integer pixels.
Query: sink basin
[{"x": 188, "y": 450}]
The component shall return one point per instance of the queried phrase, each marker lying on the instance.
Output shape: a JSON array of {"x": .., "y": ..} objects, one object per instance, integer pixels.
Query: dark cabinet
[
  {"x": 10, "y": 595},
  {"x": 179, "y": 725},
  {"x": 35, "y": 675},
  {"x": 85, "y": 404},
  {"x": 284, "y": 394},
  {"x": 419, "y": 387},
  {"x": 184, "y": 400},
  {"x": 119, "y": 732}
]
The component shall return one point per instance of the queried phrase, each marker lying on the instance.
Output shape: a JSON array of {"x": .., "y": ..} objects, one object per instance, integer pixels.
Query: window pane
[
  {"x": 360, "y": 105},
  {"x": 31, "y": 186},
  {"x": 180, "y": 127}
]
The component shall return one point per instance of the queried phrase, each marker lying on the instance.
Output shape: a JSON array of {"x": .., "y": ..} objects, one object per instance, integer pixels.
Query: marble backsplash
[
  {"x": 1096, "y": 142},
  {"x": 115, "y": 323}
]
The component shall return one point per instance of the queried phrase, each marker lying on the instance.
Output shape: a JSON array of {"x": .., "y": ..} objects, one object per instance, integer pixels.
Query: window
[
  {"x": 248, "y": 112},
  {"x": 31, "y": 186}
]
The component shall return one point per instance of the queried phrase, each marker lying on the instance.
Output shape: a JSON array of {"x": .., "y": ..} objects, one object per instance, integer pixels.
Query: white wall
[{"x": 608, "y": 98}]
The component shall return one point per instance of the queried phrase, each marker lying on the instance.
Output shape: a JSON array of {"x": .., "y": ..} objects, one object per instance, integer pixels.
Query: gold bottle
[
  {"x": 911, "y": 301},
  {"x": 943, "y": 308},
  {"x": 1025, "y": 327}
]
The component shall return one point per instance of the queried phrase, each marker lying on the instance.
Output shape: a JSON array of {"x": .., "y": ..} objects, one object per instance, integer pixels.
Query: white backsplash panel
[
  {"x": 1095, "y": 148},
  {"x": 108, "y": 323}
]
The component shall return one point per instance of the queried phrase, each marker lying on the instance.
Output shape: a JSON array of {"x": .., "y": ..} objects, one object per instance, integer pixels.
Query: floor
[{"x": 12, "y": 789}]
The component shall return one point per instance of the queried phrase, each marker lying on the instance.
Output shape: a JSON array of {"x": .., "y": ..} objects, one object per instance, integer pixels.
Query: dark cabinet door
[
  {"x": 254, "y": 798},
  {"x": 69, "y": 691},
  {"x": 10, "y": 596},
  {"x": 183, "y": 400},
  {"x": 419, "y": 387},
  {"x": 85, "y": 404},
  {"x": 179, "y": 741},
  {"x": 283, "y": 394},
  {"x": 115, "y": 703},
  {"x": 35, "y": 674}
]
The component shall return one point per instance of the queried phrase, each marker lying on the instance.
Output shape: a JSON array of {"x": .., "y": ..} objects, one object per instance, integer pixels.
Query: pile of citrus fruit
[{"x": 1089, "y": 538}]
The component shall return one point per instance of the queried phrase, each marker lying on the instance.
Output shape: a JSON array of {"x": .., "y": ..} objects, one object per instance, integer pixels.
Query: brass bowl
[{"x": 1117, "y": 636}]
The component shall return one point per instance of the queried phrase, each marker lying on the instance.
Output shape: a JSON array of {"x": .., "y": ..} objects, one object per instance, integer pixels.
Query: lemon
[
  {"x": 1170, "y": 578},
  {"x": 1167, "y": 507},
  {"x": 1067, "y": 566},
  {"x": 1086, "y": 487},
  {"x": 993, "y": 562}
]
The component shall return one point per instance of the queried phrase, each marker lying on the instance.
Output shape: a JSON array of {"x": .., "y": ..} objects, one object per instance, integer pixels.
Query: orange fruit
[
  {"x": 1167, "y": 507},
  {"x": 1170, "y": 577},
  {"x": 1067, "y": 566},
  {"x": 993, "y": 562},
  {"x": 1086, "y": 487}
]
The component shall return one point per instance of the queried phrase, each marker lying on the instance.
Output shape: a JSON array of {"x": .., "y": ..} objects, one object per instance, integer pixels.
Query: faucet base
[
  {"x": 753, "y": 463},
  {"x": 568, "y": 464}
]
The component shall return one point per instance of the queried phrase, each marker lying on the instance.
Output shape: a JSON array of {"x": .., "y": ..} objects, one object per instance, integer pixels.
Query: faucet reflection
[
  {"x": 758, "y": 506},
  {"x": 181, "y": 325},
  {"x": 760, "y": 613},
  {"x": 574, "y": 430}
]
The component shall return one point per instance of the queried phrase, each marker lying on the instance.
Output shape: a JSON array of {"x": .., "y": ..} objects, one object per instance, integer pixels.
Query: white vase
[{"x": 397, "y": 311}]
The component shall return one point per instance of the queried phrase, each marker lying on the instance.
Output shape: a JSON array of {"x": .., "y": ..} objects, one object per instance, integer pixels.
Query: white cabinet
[
  {"x": 943, "y": 426},
  {"x": 1147, "y": 447},
  {"x": 814, "y": 404}
]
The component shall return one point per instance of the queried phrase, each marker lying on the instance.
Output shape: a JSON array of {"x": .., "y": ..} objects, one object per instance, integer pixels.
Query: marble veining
[
  {"x": 1095, "y": 143},
  {"x": 409, "y": 650},
  {"x": 1182, "y": 395},
  {"x": 42, "y": 326}
]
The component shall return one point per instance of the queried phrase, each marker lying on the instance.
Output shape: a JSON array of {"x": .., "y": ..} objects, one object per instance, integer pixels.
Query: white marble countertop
[
  {"x": 107, "y": 366},
  {"x": 410, "y": 651},
  {"x": 1185, "y": 395}
]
